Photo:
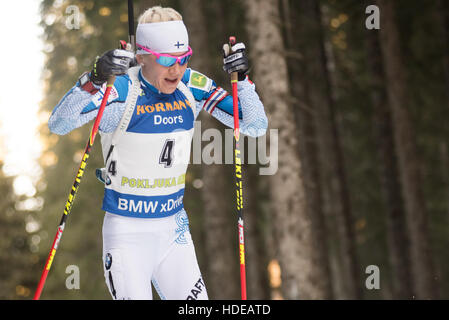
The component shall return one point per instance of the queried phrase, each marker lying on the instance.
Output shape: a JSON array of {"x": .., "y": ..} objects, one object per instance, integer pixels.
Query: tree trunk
[
  {"x": 398, "y": 242},
  {"x": 222, "y": 278},
  {"x": 296, "y": 29},
  {"x": 292, "y": 224},
  {"x": 409, "y": 164},
  {"x": 333, "y": 178},
  {"x": 443, "y": 17}
]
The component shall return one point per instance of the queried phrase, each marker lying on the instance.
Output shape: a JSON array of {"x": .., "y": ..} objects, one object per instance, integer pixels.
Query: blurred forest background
[{"x": 363, "y": 159}]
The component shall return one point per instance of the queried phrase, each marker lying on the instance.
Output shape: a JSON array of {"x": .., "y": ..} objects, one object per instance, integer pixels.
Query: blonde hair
[{"x": 159, "y": 14}]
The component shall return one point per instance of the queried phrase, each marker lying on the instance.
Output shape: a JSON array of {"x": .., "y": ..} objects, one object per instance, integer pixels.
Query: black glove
[
  {"x": 235, "y": 60},
  {"x": 113, "y": 62}
]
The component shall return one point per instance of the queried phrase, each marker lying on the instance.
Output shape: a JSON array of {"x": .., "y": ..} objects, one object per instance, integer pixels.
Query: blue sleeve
[
  {"x": 205, "y": 90},
  {"x": 217, "y": 102},
  {"x": 78, "y": 107},
  {"x": 121, "y": 92}
]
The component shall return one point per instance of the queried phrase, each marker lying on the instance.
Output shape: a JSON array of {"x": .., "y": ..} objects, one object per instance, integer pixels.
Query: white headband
[{"x": 162, "y": 37}]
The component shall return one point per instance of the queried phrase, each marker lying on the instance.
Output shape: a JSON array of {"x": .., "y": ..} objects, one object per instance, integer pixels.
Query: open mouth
[{"x": 171, "y": 81}]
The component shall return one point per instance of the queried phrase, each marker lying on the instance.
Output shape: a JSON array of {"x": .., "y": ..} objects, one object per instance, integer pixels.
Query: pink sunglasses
[{"x": 167, "y": 60}]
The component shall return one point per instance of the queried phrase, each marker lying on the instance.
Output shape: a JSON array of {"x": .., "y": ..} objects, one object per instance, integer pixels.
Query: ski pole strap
[{"x": 131, "y": 102}]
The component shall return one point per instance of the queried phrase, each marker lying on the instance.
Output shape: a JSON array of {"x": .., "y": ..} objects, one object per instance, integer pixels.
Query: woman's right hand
[{"x": 113, "y": 62}]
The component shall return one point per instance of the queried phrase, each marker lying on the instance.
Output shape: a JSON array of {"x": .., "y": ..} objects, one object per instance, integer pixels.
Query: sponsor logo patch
[{"x": 199, "y": 81}]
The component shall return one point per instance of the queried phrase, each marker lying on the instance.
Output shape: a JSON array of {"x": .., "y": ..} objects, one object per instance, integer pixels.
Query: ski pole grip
[{"x": 234, "y": 75}]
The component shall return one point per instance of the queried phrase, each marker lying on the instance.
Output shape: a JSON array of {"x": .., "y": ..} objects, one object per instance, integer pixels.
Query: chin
[{"x": 168, "y": 91}]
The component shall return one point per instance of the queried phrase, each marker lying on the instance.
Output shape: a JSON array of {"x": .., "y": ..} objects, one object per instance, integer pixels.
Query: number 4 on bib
[
  {"x": 166, "y": 157},
  {"x": 111, "y": 168}
]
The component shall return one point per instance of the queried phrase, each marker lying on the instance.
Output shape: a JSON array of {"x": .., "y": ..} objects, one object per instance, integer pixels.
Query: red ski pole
[
  {"x": 238, "y": 178},
  {"x": 74, "y": 190}
]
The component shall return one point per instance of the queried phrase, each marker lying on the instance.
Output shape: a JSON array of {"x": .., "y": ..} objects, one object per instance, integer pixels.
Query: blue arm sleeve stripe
[
  {"x": 226, "y": 105},
  {"x": 120, "y": 86},
  {"x": 217, "y": 102}
]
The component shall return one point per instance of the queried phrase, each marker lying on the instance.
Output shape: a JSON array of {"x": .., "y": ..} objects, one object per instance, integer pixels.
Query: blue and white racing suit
[{"x": 146, "y": 236}]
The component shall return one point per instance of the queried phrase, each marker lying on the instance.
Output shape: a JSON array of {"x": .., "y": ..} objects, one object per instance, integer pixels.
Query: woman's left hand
[{"x": 235, "y": 60}]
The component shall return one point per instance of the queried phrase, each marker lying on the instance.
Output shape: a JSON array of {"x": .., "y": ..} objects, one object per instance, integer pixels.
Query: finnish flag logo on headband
[{"x": 162, "y": 37}]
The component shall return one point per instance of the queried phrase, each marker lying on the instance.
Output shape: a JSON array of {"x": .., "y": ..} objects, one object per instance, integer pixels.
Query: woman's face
[{"x": 165, "y": 79}]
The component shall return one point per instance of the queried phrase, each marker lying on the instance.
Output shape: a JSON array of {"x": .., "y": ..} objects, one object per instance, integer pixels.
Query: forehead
[{"x": 177, "y": 54}]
